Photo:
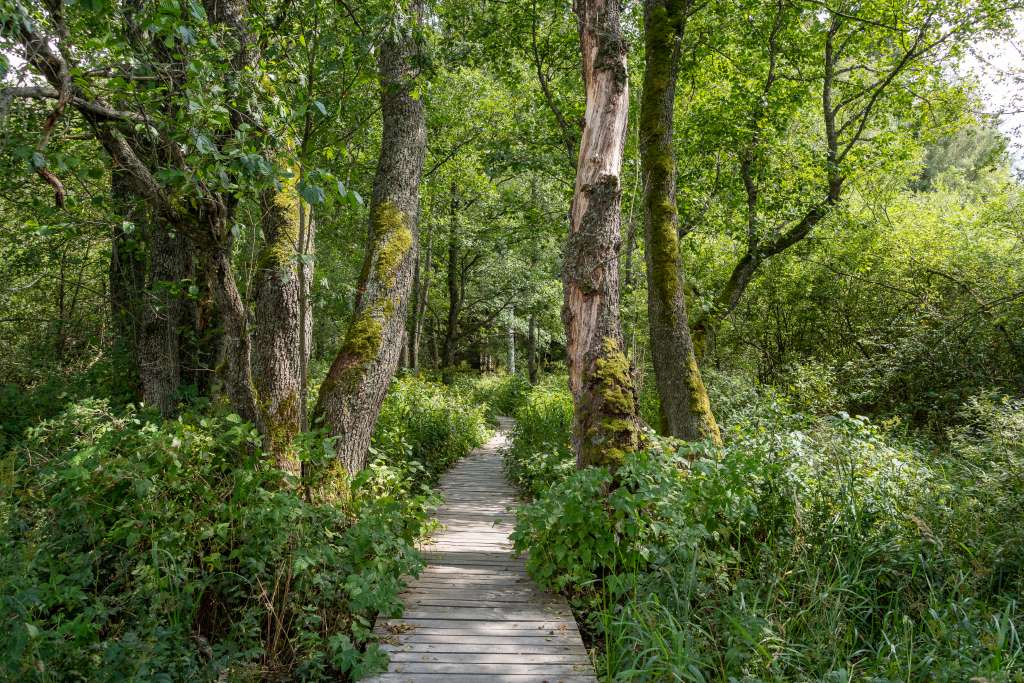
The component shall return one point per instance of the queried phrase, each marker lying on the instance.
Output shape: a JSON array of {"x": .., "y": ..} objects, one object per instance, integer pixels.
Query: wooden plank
[
  {"x": 477, "y": 678},
  {"x": 514, "y": 639},
  {"x": 510, "y": 613},
  {"x": 524, "y": 592},
  {"x": 474, "y": 614},
  {"x": 560, "y": 658},
  {"x": 476, "y": 628},
  {"x": 488, "y": 647},
  {"x": 471, "y": 667}
]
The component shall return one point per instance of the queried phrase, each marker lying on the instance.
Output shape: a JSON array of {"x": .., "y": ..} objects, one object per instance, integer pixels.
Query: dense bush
[
  {"x": 141, "y": 550},
  {"x": 501, "y": 394},
  {"x": 806, "y": 549},
  {"x": 540, "y": 453},
  {"x": 428, "y": 423}
]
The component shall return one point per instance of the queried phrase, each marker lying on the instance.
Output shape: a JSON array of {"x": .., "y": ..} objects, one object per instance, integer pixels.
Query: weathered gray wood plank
[
  {"x": 478, "y": 678},
  {"x": 474, "y": 614}
]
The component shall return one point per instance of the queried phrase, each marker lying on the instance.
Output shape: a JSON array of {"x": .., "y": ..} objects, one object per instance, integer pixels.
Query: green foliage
[
  {"x": 913, "y": 311},
  {"x": 540, "y": 454},
  {"x": 140, "y": 550},
  {"x": 806, "y": 549},
  {"x": 427, "y": 423},
  {"x": 502, "y": 394}
]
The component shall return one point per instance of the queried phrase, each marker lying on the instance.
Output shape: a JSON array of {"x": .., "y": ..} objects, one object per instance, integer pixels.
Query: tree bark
[
  {"x": 686, "y": 410},
  {"x": 510, "y": 334},
  {"x": 421, "y": 295},
  {"x": 351, "y": 395},
  {"x": 454, "y": 291},
  {"x": 531, "y": 350},
  {"x": 127, "y": 277},
  {"x": 307, "y": 251},
  {"x": 606, "y": 425},
  {"x": 163, "y": 315},
  {"x": 277, "y": 336},
  {"x": 236, "y": 347}
]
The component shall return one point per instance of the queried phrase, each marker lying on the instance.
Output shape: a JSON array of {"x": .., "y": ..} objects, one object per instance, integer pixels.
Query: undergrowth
[
  {"x": 808, "y": 548},
  {"x": 428, "y": 423},
  {"x": 139, "y": 549}
]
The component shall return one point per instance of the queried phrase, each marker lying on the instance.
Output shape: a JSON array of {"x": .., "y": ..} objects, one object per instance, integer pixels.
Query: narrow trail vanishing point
[{"x": 474, "y": 614}]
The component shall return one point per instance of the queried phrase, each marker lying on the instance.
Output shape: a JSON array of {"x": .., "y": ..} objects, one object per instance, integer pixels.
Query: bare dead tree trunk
[
  {"x": 606, "y": 425},
  {"x": 354, "y": 389},
  {"x": 685, "y": 408}
]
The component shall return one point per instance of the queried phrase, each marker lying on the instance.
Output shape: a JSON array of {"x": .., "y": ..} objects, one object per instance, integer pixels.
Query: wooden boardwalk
[{"x": 474, "y": 614}]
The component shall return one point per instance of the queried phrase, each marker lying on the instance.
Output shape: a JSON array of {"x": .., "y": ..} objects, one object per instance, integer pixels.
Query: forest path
[{"x": 474, "y": 614}]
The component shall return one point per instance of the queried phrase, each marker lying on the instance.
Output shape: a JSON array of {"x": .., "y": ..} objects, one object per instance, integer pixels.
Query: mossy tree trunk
[
  {"x": 606, "y": 425},
  {"x": 686, "y": 410},
  {"x": 351, "y": 395},
  {"x": 277, "y": 337}
]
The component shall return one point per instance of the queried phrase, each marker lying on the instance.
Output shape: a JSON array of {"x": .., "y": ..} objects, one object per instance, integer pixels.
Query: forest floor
[{"x": 474, "y": 613}]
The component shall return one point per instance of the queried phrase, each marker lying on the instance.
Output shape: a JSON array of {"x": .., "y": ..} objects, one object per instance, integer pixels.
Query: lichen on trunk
[
  {"x": 276, "y": 331},
  {"x": 351, "y": 395},
  {"x": 685, "y": 407}
]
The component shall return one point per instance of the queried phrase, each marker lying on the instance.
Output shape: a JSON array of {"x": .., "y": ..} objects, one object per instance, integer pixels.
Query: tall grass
[{"x": 808, "y": 548}]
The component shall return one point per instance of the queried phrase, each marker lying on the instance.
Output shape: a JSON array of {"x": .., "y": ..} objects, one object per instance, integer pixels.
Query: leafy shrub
[
  {"x": 540, "y": 454},
  {"x": 139, "y": 550},
  {"x": 502, "y": 394},
  {"x": 427, "y": 423},
  {"x": 805, "y": 549}
]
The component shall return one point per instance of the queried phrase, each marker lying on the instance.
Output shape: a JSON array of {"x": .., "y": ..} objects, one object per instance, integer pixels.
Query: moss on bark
[{"x": 617, "y": 429}]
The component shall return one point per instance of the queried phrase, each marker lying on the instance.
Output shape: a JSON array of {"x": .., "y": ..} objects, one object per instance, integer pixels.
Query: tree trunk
[
  {"x": 277, "y": 335},
  {"x": 307, "y": 251},
  {"x": 351, "y": 395},
  {"x": 454, "y": 292},
  {"x": 686, "y": 410},
  {"x": 531, "y": 350},
  {"x": 235, "y": 370},
  {"x": 421, "y": 290},
  {"x": 511, "y": 335},
  {"x": 127, "y": 278},
  {"x": 163, "y": 315},
  {"x": 605, "y": 421}
]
